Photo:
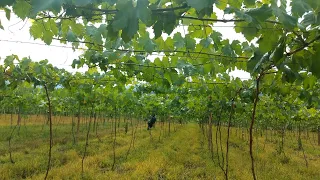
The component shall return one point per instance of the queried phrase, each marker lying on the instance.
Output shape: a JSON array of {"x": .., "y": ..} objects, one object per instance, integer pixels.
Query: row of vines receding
[{"x": 167, "y": 58}]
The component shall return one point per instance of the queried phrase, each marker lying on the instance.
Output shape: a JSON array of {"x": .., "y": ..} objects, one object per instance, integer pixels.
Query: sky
[{"x": 16, "y": 39}]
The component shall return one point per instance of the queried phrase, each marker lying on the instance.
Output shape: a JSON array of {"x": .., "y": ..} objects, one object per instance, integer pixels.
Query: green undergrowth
[{"x": 182, "y": 154}]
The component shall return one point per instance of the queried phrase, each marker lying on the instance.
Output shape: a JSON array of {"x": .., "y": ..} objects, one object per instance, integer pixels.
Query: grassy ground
[{"x": 181, "y": 155}]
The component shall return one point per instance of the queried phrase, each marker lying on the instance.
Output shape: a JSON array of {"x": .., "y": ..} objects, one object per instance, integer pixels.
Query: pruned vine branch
[{"x": 304, "y": 46}]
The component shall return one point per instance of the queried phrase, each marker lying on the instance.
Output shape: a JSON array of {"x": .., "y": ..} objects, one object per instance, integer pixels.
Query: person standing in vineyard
[{"x": 152, "y": 121}]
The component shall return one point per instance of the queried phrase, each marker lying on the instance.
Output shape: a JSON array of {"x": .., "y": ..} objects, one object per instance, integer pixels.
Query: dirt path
[{"x": 180, "y": 156}]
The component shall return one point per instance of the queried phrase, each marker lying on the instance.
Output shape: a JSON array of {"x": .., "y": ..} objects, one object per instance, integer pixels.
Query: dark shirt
[{"x": 153, "y": 120}]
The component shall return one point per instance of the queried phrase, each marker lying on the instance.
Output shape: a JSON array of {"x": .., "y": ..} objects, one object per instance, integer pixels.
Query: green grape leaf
[
  {"x": 196, "y": 32},
  {"x": 82, "y": 2},
  {"x": 206, "y": 42},
  {"x": 120, "y": 21},
  {"x": 4, "y": 3},
  {"x": 56, "y": 5},
  {"x": 133, "y": 26},
  {"x": 209, "y": 68},
  {"x": 40, "y": 5},
  {"x": 22, "y": 9},
  {"x": 254, "y": 61},
  {"x": 165, "y": 61},
  {"x": 227, "y": 50},
  {"x": 113, "y": 35},
  {"x": 221, "y": 5},
  {"x": 153, "y": 1},
  {"x": 262, "y": 62},
  {"x": 144, "y": 13},
  {"x": 315, "y": 67},
  {"x": 179, "y": 81},
  {"x": 289, "y": 22},
  {"x": 300, "y": 7},
  {"x": 288, "y": 75},
  {"x": 123, "y": 17},
  {"x": 8, "y": 13},
  {"x": 36, "y": 30},
  {"x": 235, "y": 3},
  {"x": 249, "y": 3},
  {"x": 92, "y": 30},
  {"x": 130, "y": 30},
  {"x": 190, "y": 43},
  {"x": 247, "y": 49},
  {"x": 75, "y": 63},
  {"x": 157, "y": 29},
  {"x": 309, "y": 19},
  {"x": 309, "y": 82},
  {"x": 147, "y": 44},
  {"x": 174, "y": 77},
  {"x": 77, "y": 28},
  {"x": 178, "y": 40},
  {"x": 278, "y": 54},
  {"x": 53, "y": 26},
  {"x": 71, "y": 36},
  {"x": 1, "y": 27},
  {"x": 249, "y": 30},
  {"x": 168, "y": 77},
  {"x": 303, "y": 58},
  {"x": 47, "y": 37},
  {"x": 181, "y": 64},
  {"x": 103, "y": 30},
  {"x": 113, "y": 56},
  {"x": 313, "y": 4},
  {"x": 199, "y": 4},
  {"x": 207, "y": 11},
  {"x": 160, "y": 43},
  {"x": 65, "y": 26},
  {"x": 158, "y": 62},
  {"x": 169, "y": 43},
  {"x": 236, "y": 46},
  {"x": 148, "y": 74},
  {"x": 268, "y": 41},
  {"x": 169, "y": 22},
  {"x": 216, "y": 37},
  {"x": 261, "y": 14}
]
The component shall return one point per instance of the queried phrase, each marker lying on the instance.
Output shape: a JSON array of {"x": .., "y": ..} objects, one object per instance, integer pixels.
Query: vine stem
[
  {"x": 228, "y": 137},
  {"x": 221, "y": 164},
  {"x": 9, "y": 141},
  {"x": 114, "y": 139},
  {"x": 134, "y": 128},
  {"x": 228, "y": 133},
  {"x": 87, "y": 143},
  {"x": 306, "y": 44},
  {"x": 256, "y": 99},
  {"x": 50, "y": 125}
]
